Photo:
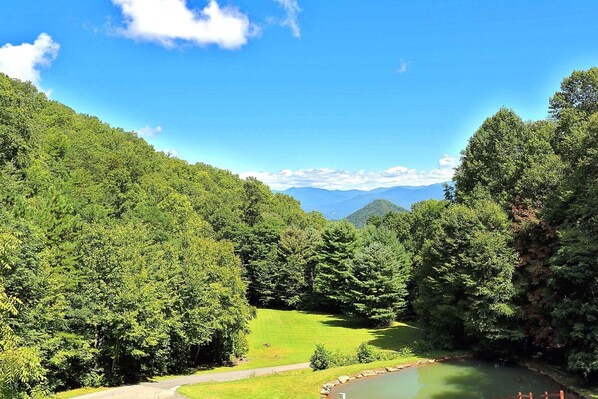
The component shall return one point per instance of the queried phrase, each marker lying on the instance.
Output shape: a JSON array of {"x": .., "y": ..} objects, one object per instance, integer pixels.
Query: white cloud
[
  {"x": 149, "y": 131},
  {"x": 335, "y": 179},
  {"x": 403, "y": 66},
  {"x": 169, "y": 21},
  {"x": 448, "y": 161},
  {"x": 24, "y": 61},
  {"x": 292, "y": 9}
]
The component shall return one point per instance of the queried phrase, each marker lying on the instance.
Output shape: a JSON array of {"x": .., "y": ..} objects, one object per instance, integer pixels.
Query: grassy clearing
[
  {"x": 305, "y": 384},
  {"x": 286, "y": 337},
  {"x": 281, "y": 337},
  {"x": 77, "y": 392}
]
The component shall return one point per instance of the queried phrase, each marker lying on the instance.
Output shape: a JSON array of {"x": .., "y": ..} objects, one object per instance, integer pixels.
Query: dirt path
[{"x": 166, "y": 389}]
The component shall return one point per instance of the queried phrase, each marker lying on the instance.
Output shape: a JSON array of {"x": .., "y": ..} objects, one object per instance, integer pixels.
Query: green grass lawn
[
  {"x": 281, "y": 337},
  {"x": 305, "y": 384},
  {"x": 285, "y": 337}
]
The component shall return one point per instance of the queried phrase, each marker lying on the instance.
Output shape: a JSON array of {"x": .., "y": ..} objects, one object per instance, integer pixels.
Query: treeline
[
  {"x": 508, "y": 264},
  {"x": 340, "y": 269}
]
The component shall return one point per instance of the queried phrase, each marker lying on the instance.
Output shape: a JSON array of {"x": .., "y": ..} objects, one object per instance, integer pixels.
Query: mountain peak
[
  {"x": 378, "y": 207},
  {"x": 338, "y": 204}
]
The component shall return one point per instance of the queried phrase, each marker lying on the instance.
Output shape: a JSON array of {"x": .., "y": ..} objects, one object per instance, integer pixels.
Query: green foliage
[
  {"x": 128, "y": 260},
  {"x": 365, "y": 353},
  {"x": 320, "y": 359},
  {"x": 575, "y": 265},
  {"x": 465, "y": 279},
  {"x": 21, "y": 372},
  {"x": 571, "y": 107},
  {"x": 379, "y": 275},
  {"x": 400, "y": 224},
  {"x": 339, "y": 244},
  {"x": 509, "y": 159},
  {"x": 296, "y": 266},
  {"x": 544, "y": 174}
]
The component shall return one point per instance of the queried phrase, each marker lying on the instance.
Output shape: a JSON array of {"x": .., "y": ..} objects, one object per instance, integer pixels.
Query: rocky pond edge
[{"x": 558, "y": 377}]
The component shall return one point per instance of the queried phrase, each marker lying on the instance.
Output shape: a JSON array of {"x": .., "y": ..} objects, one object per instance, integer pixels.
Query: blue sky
[{"x": 334, "y": 94}]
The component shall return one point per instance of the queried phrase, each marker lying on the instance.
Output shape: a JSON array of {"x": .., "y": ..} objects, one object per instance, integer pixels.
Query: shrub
[
  {"x": 339, "y": 359},
  {"x": 365, "y": 353},
  {"x": 321, "y": 358}
]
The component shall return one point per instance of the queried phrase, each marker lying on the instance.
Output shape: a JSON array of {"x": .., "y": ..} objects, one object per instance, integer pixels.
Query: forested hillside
[
  {"x": 376, "y": 208},
  {"x": 118, "y": 262}
]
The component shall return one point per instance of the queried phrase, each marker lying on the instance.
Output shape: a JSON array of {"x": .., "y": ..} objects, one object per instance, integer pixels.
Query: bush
[
  {"x": 339, "y": 359},
  {"x": 365, "y": 353},
  {"x": 321, "y": 358}
]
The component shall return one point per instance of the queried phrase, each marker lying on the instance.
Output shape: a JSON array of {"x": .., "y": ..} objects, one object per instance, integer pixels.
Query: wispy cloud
[
  {"x": 292, "y": 10},
  {"x": 149, "y": 131},
  {"x": 24, "y": 61},
  {"x": 170, "y": 21},
  {"x": 403, "y": 66},
  {"x": 336, "y": 179},
  {"x": 448, "y": 161}
]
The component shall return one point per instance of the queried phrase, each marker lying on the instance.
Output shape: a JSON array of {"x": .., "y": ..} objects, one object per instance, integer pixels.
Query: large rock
[
  {"x": 343, "y": 378},
  {"x": 368, "y": 373}
]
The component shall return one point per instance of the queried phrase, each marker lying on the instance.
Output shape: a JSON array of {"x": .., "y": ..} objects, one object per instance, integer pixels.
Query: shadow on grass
[
  {"x": 392, "y": 338},
  {"x": 396, "y": 337},
  {"x": 341, "y": 321}
]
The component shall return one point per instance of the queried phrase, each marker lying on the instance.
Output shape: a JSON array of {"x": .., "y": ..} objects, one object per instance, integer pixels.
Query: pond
[{"x": 455, "y": 379}]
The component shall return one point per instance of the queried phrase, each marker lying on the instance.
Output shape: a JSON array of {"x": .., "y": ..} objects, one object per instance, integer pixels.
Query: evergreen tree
[
  {"x": 297, "y": 260},
  {"x": 380, "y": 271},
  {"x": 335, "y": 255}
]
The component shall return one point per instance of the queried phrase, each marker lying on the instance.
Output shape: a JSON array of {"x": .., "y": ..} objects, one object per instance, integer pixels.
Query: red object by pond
[{"x": 560, "y": 395}]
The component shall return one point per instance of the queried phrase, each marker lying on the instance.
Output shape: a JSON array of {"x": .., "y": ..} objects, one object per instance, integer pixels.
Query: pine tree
[
  {"x": 335, "y": 256},
  {"x": 380, "y": 271}
]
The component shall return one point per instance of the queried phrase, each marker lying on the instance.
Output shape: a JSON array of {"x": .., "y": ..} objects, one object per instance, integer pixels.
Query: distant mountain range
[
  {"x": 338, "y": 204},
  {"x": 379, "y": 207}
]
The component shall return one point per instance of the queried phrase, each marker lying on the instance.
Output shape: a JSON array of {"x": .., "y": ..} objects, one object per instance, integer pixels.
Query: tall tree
[
  {"x": 571, "y": 107},
  {"x": 509, "y": 159},
  {"x": 574, "y": 281},
  {"x": 380, "y": 272},
  {"x": 340, "y": 241},
  {"x": 297, "y": 260},
  {"x": 465, "y": 288}
]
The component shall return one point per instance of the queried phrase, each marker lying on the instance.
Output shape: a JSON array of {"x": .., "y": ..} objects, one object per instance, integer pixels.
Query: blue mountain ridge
[{"x": 338, "y": 204}]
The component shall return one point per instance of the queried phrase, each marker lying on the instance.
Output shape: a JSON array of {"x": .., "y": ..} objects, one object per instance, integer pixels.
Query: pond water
[{"x": 455, "y": 379}]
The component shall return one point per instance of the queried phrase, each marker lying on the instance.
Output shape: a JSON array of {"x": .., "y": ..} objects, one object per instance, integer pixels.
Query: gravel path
[{"x": 166, "y": 389}]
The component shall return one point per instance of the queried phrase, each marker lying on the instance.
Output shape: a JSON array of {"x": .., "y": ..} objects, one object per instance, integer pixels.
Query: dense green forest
[{"x": 118, "y": 262}]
